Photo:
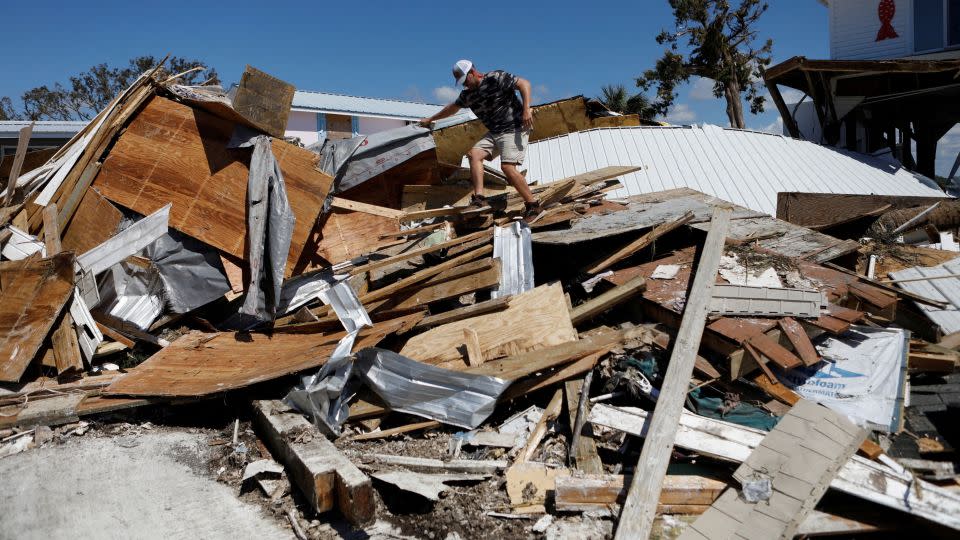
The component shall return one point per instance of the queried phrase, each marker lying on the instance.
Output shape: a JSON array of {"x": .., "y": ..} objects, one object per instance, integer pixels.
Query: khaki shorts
[{"x": 511, "y": 147}]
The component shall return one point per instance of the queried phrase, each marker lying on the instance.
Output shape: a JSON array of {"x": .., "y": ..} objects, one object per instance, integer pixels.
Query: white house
[
  {"x": 888, "y": 29},
  {"x": 316, "y": 116}
]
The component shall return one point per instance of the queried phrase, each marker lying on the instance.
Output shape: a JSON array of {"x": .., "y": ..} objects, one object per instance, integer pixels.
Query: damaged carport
[{"x": 407, "y": 358}]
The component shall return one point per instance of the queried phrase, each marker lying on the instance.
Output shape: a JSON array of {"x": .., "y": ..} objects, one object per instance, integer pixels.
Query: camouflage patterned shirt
[{"x": 495, "y": 102}]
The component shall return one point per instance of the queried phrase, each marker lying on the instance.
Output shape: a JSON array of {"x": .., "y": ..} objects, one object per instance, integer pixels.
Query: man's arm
[
  {"x": 523, "y": 86},
  {"x": 449, "y": 110}
]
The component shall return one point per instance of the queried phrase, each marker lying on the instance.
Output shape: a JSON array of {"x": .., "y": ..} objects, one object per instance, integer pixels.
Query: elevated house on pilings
[{"x": 892, "y": 80}]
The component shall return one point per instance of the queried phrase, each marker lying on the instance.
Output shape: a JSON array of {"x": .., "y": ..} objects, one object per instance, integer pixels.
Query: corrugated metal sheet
[
  {"x": 744, "y": 167},
  {"x": 50, "y": 128},
  {"x": 338, "y": 103},
  {"x": 945, "y": 290}
]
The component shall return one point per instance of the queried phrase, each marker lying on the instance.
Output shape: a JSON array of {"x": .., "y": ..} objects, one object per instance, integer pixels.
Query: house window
[
  {"x": 953, "y": 22},
  {"x": 936, "y": 24}
]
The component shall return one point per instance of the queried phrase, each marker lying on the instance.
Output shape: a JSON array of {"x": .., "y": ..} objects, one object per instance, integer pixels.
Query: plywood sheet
[
  {"x": 264, "y": 100},
  {"x": 94, "y": 222},
  {"x": 534, "y": 320},
  {"x": 345, "y": 234},
  {"x": 200, "y": 364},
  {"x": 33, "y": 294},
  {"x": 172, "y": 153}
]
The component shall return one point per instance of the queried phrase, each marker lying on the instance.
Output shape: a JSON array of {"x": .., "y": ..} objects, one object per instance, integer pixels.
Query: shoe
[
  {"x": 532, "y": 211},
  {"x": 478, "y": 201}
]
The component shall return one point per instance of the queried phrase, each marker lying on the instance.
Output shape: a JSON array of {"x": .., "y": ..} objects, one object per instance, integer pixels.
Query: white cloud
[
  {"x": 540, "y": 94},
  {"x": 791, "y": 96},
  {"x": 681, "y": 114},
  {"x": 702, "y": 90},
  {"x": 775, "y": 127},
  {"x": 445, "y": 94}
]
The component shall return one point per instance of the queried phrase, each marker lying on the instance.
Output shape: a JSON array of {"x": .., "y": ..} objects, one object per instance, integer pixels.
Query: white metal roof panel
[
  {"x": 945, "y": 290},
  {"x": 338, "y": 103},
  {"x": 55, "y": 128},
  {"x": 748, "y": 168}
]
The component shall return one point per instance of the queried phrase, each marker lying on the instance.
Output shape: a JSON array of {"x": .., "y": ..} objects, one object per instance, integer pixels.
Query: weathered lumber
[
  {"x": 583, "y": 449},
  {"x": 799, "y": 457},
  {"x": 472, "y": 344},
  {"x": 325, "y": 476},
  {"x": 638, "y": 244},
  {"x": 899, "y": 292},
  {"x": 23, "y": 140},
  {"x": 859, "y": 477},
  {"x": 579, "y": 494},
  {"x": 550, "y": 413},
  {"x": 346, "y": 204},
  {"x": 640, "y": 507},
  {"x": 463, "y": 279},
  {"x": 607, "y": 300},
  {"x": 387, "y": 261}
]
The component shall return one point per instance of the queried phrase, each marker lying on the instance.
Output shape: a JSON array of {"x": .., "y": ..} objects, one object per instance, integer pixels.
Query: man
[{"x": 493, "y": 98}]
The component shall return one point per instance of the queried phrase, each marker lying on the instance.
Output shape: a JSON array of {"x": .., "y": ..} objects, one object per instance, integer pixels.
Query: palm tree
[{"x": 616, "y": 99}]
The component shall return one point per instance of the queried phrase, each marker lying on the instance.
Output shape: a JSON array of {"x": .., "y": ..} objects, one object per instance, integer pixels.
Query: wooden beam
[
  {"x": 21, "y": 152},
  {"x": 489, "y": 306},
  {"x": 607, "y": 300},
  {"x": 51, "y": 230},
  {"x": 639, "y": 244},
  {"x": 325, "y": 476},
  {"x": 788, "y": 119},
  {"x": 579, "y": 494},
  {"x": 472, "y": 344},
  {"x": 636, "y": 519},
  {"x": 463, "y": 279},
  {"x": 583, "y": 449},
  {"x": 800, "y": 340},
  {"x": 898, "y": 292},
  {"x": 380, "y": 263},
  {"x": 356, "y": 206},
  {"x": 550, "y": 413}
]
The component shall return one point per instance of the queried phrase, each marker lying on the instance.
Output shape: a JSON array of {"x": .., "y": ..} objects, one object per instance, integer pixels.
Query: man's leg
[
  {"x": 476, "y": 157},
  {"x": 517, "y": 181}
]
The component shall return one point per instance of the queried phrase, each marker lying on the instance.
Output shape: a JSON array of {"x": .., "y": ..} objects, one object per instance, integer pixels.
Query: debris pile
[{"x": 669, "y": 363}]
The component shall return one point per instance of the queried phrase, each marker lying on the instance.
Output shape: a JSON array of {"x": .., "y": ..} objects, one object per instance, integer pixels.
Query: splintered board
[
  {"x": 200, "y": 364},
  {"x": 33, "y": 294},
  {"x": 173, "y": 153},
  {"x": 535, "y": 319}
]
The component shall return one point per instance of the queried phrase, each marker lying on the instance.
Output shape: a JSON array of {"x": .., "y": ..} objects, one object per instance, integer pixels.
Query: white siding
[
  {"x": 304, "y": 125},
  {"x": 375, "y": 125},
  {"x": 854, "y": 25}
]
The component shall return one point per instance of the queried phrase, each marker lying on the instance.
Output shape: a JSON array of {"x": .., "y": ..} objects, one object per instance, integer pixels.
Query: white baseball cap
[{"x": 460, "y": 70}]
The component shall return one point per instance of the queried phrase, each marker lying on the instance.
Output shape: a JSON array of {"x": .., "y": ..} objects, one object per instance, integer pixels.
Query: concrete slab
[{"x": 150, "y": 485}]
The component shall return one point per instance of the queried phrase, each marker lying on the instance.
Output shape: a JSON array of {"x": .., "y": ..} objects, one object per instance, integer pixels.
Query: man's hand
[
  {"x": 425, "y": 122},
  {"x": 527, "y": 119}
]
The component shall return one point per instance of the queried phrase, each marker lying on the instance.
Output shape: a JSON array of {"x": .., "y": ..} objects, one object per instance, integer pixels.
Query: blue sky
[{"x": 385, "y": 49}]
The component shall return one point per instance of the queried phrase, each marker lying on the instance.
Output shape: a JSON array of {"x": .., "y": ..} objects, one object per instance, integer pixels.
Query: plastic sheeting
[
  {"x": 514, "y": 247},
  {"x": 862, "y": 375},
  {"x": 270, "y": 223},
  {"x": 451, "y": 397}
]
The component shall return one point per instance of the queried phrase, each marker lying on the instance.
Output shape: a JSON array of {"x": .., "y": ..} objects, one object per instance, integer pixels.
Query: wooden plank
[
  {"x": 639, "y": 244},
  {"x": 640, "y": 507},
  {"x": 607, "y": 300},
  {"x": 200, "y": 364},
  {"x": 264, "y": 100},
  {"x": 466, "y": 312},
  {"x": 66, "y": 347},
  {"x": 800, "y": 341},
  {"x": 471, "y": 342},
  {"x": 830, "y": 324},
  {"x": 550, "y": 413},
  {"x": 116, "y": 336},
  {"x": 464, "y": 279},
  {"x": 372, "y": 209},
  {"x": 346, "y": 234},
  {"x": 326, "y": 477},
  {"x": 596, "y": 492},
  {"x": 34, "y": 293},
  {"x": 535, "y": 319},
  {"x": 774, "y": 351},
  {"x": 899, "y": 292},
  {"x": 584, "y": 450},
  {"x": 387, "y": 261},
  {"x": 174, "y": 153},
  {"x": 23, "y": 140},
  {"x": 51, "y": 230}
]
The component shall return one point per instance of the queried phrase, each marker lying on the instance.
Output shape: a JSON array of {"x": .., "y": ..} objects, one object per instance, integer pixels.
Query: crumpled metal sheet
[
  {"x": 451, "y": 397},
  {"x": 131, "y": 293},
  {"x": 192, "y": 271},
  {"x": 513, "y": 245},
  {"x": 300, "y": 290},
  {"x": 324, "y": 395},
  {"x": 380, "y": 152},
  {"x": 270, "y": 223}
]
